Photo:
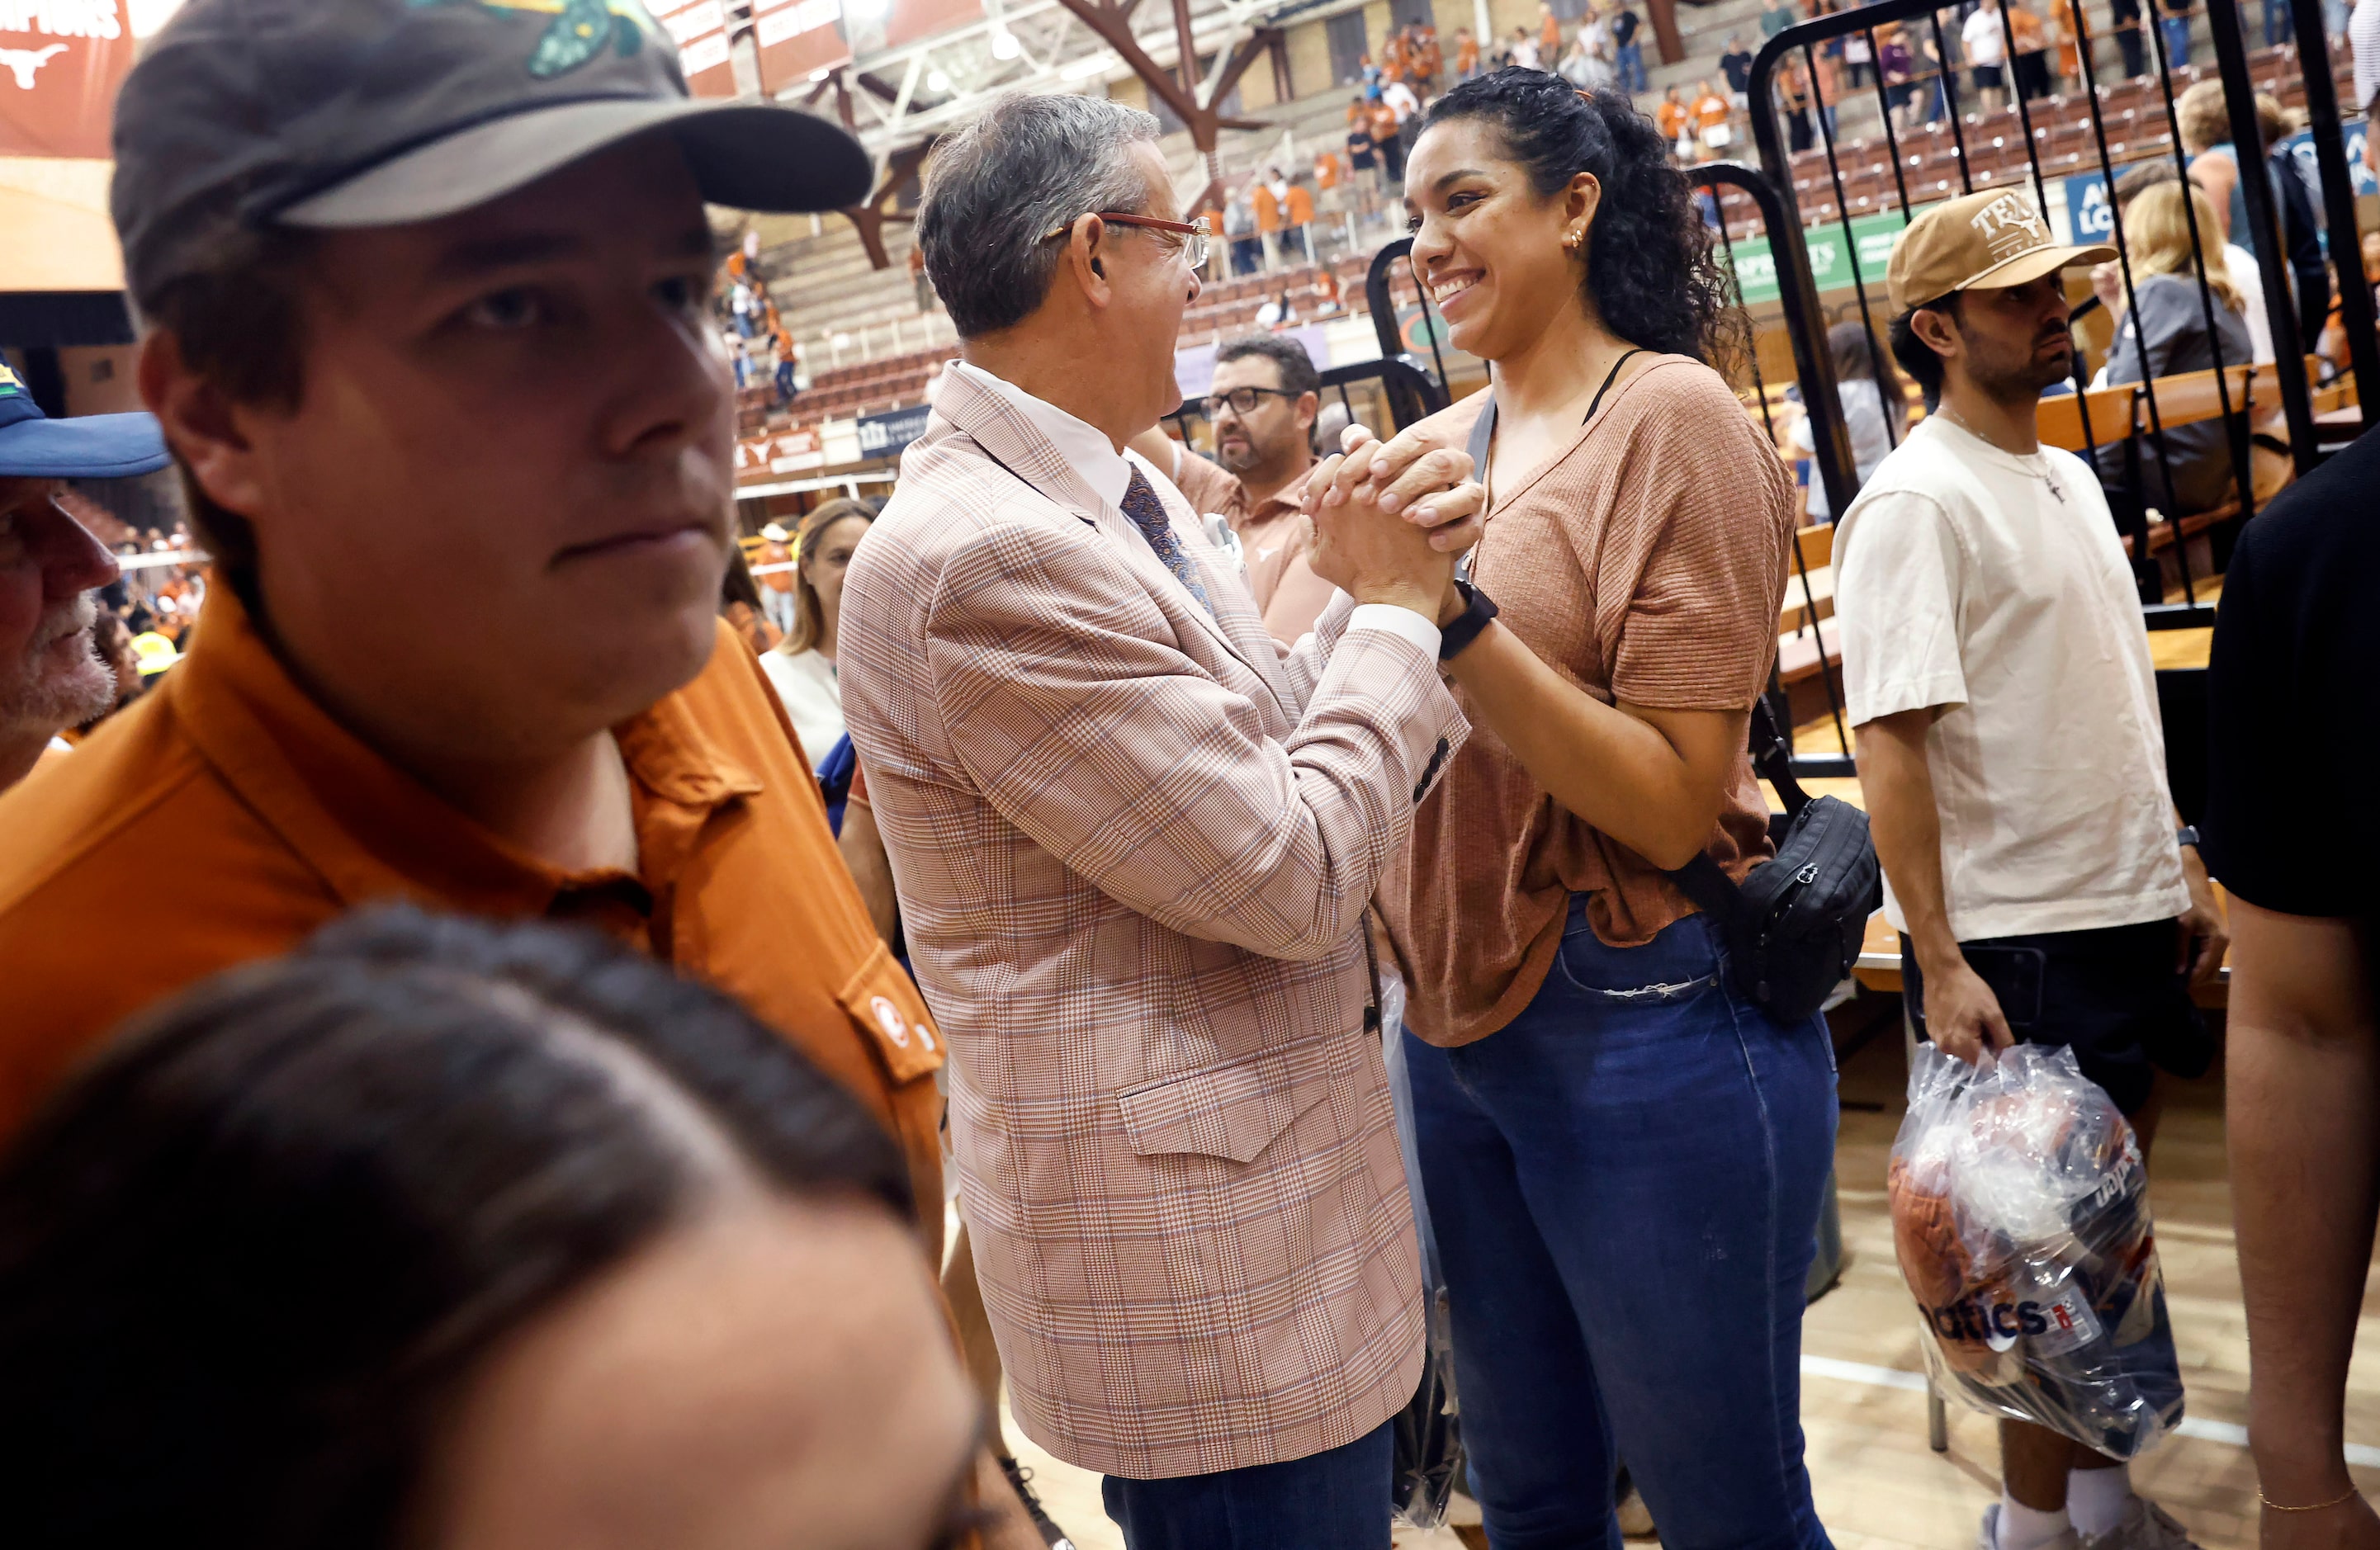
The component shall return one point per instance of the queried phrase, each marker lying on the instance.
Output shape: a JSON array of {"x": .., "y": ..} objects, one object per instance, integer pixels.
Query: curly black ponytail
[{"x": 1651, "y": 269}]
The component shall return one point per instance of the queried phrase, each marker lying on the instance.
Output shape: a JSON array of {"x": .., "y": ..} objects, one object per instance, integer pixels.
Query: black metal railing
[
  {"x": 1804, "y": 42},
  {"x": 1797, "y": 299}
]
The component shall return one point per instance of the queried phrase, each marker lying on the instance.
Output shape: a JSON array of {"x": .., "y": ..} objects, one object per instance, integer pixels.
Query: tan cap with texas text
[{"x": 1978, "y": 242}]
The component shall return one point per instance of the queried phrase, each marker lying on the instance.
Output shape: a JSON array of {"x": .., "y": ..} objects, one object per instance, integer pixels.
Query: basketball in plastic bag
[{"x": 2020, "y": 1217}]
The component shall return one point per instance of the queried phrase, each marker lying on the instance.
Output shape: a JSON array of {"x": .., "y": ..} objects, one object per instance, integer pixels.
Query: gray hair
[{"x": 997, "y": 187}]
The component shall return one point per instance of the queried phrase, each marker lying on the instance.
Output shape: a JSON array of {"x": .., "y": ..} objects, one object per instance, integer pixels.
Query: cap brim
[
  {"x": 746, "y": 155},
  {"x": 2030, "y": 266},
  {"x": 94, "y": 447}
]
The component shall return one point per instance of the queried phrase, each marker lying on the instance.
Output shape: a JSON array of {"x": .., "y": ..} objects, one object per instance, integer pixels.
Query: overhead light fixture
[
  {"x": 1087, "y": 66},
  {"x": 937, "y": 82},
  {"x": 1004, "y": 44}
]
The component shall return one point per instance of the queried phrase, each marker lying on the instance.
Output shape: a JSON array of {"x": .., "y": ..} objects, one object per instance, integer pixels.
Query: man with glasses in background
[
  {"x": 1133, "y": 843},
  {"x": 1262, "y": 405}
]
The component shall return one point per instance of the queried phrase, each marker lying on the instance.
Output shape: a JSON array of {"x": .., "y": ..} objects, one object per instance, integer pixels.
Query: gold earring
[{"x": 1570, "y": 243}]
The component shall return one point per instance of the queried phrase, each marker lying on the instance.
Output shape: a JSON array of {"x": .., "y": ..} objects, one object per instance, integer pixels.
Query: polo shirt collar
[{"x": 370, "y": 829}]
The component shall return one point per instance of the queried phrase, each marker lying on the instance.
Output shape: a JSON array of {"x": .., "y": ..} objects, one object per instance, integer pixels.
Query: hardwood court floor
[{"x": 1878, "y": 1486}]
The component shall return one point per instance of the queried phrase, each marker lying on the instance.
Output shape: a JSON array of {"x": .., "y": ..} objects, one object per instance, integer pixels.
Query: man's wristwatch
[
  {"x": 1464, "y": 627},
  {"x": 2186, "y": 836}
]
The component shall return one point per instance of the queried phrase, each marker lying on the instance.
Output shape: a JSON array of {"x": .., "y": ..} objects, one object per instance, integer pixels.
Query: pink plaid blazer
[{"x": 1134, "y": 847}]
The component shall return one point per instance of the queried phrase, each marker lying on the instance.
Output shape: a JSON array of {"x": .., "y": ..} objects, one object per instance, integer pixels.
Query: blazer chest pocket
[{"x": 1232, "y": 1111}]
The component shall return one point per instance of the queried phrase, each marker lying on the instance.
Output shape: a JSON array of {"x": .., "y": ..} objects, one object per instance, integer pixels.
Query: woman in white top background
[
  {"x": 1875, "y": 410},
  {"x": 802, "y": 668}
]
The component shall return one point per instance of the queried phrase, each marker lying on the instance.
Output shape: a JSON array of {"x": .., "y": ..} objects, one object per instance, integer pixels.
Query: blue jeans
[
  {"x": 2176, "y": 41},
  {"x": 1625, "y": 1184},
  {"x": 1336, "y": 1500},
  {"x": 1632, "y": 67}
]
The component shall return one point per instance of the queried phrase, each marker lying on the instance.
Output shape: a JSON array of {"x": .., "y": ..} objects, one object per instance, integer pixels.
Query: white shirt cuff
[{"x": 1402, "y": 622}]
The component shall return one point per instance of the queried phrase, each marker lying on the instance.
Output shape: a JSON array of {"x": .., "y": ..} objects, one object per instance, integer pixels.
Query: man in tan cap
[{"x": 2010, "y": 752}]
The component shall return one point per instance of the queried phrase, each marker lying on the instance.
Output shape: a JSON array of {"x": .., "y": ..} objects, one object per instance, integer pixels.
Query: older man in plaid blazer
[{"x": 1134, "y": 847}]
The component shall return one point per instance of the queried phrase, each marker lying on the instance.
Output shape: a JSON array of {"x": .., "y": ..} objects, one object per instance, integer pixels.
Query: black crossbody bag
[{"x": 1794, "y": 926}]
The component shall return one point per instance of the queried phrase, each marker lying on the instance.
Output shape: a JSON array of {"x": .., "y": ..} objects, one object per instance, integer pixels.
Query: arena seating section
[{"x": 889, "y": 382}]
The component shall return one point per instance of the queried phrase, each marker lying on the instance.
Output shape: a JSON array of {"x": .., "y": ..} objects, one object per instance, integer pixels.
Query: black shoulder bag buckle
[{"x": 1794, "y": 926}]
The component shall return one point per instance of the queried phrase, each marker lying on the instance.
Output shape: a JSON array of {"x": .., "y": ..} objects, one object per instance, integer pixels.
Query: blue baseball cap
[{"x": 34, "y": 446}]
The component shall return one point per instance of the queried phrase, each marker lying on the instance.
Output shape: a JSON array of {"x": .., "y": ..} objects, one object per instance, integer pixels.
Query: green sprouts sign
[{"x": 1831, "y": 257}]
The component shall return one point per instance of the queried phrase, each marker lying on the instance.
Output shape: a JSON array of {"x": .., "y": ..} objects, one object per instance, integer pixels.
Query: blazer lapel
[{"x": 1018, "y": 446}]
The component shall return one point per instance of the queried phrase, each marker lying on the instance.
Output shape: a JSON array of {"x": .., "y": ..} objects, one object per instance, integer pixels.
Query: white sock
[
  {"x": 2028, "y": 1528},
  {"x": 2096, "y": 1498}
]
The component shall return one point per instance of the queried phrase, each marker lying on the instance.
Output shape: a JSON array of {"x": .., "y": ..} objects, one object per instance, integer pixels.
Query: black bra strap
[{"x": 1608, "y": 380}]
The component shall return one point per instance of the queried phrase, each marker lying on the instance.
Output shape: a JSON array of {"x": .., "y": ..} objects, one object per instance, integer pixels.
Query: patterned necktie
[{"x": 1147, "y": 513}]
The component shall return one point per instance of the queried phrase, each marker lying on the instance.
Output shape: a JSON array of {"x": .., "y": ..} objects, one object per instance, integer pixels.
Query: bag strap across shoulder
[{"x": 1702, "y": 879}]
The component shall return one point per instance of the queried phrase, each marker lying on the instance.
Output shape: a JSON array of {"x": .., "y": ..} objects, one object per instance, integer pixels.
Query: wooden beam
[
  {"x": 870, "y": 219},
  {"x": 1113, "y": 28}
]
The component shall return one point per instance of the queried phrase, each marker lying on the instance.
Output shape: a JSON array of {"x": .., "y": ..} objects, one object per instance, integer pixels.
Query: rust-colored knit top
[{"x": 1644, "y": 564}]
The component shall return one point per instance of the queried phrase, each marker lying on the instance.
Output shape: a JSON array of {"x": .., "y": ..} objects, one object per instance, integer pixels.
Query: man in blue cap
[{"x": 50, "y": 677}]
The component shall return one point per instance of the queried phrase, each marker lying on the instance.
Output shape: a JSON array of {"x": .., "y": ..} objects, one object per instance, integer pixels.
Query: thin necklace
[{"x": 1955, "y": 417}]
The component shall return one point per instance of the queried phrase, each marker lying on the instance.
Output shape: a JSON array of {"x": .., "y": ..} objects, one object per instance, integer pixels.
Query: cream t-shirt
[{"x": 1992, "y": 587}]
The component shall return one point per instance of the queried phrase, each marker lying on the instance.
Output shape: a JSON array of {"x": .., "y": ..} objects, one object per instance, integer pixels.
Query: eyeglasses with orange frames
[{"x": 1194, "y": 236}]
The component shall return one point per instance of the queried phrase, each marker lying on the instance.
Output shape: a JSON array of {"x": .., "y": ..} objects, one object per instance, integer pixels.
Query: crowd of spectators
[
  {"x": 527, "y": 1119},
  {"x": 759, "y": 346}
]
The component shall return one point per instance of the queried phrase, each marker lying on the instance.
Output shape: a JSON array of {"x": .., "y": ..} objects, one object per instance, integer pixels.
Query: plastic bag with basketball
[{"x": 2020, "y": 1217}]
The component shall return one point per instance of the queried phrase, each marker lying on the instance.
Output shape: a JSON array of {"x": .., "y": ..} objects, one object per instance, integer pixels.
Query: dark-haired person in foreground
[
  {"x": 394, "y": 1242},
  {"x": 2009, "y": 748},
  {"x": 1134, "y": 842},
  {"x": 1262, "y": 404},
  {"x": 1623, "y": 1155}
]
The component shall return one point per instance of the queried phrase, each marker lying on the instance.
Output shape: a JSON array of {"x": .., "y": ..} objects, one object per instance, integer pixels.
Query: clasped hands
[{"x": 1389, "y": 519}]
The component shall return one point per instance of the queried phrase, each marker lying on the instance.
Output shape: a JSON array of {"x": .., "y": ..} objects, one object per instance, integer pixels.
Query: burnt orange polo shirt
[{"x": 227, "y": 816}]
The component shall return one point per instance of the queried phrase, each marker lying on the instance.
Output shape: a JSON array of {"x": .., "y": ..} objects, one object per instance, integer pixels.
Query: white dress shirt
[{"x": 1108, "y": 473}]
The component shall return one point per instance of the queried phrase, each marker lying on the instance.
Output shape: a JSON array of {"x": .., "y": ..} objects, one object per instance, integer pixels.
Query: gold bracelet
[{"x": 2352, "y": 1492}]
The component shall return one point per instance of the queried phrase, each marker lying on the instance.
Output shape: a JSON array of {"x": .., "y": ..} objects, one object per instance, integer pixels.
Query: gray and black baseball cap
[{"x": 378, "y": 113}]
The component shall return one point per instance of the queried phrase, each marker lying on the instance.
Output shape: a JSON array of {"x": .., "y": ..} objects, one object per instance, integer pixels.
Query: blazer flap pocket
[
  {"x": 884, "y": 1001},
  {"x": 1233, "y": 1111}
]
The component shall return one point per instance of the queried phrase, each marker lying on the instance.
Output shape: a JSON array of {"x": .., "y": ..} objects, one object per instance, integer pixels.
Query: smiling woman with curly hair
[{"x": 1623, "y": 1156}]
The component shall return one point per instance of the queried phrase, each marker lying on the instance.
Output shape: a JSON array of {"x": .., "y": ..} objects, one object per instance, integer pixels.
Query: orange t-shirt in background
[
  {"x": 1671, "y": 117},
  {"x": 1326, "y": 169},
  {"x": 1466, "y": 58},
  {"x": 1301, "y": 206}
]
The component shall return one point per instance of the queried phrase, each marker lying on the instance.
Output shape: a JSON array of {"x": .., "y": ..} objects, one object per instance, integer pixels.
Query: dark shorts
[
  {"x": 2112, "y": 995},
  {"x": 1987, "y": 77}
]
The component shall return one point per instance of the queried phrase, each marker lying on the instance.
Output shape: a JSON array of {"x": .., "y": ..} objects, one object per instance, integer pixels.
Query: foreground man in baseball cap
[
  {"x": 50, "y": 677},
  {"x": 425, "y": 284},
  {"x": 1995, "y": 665}
]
